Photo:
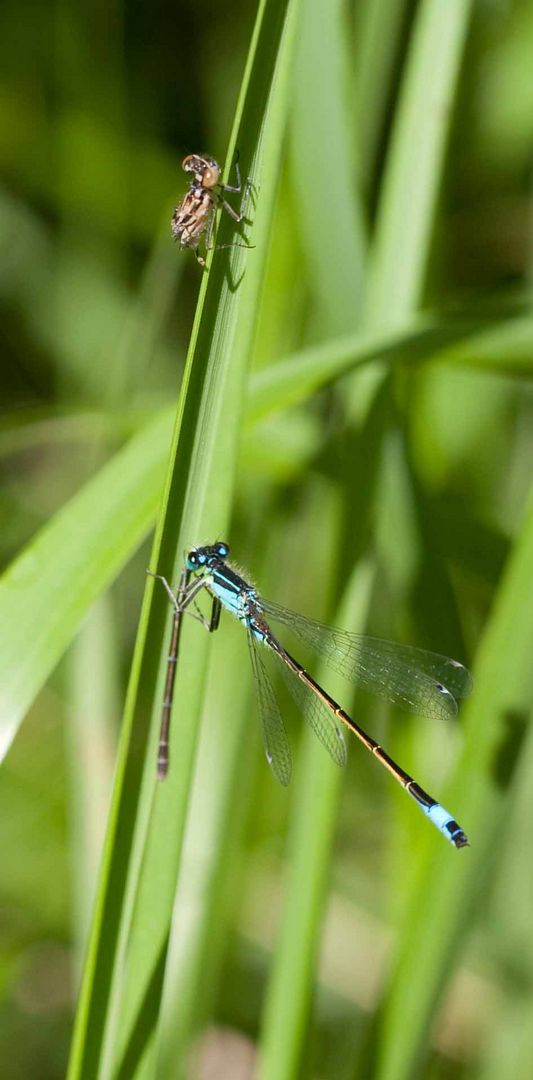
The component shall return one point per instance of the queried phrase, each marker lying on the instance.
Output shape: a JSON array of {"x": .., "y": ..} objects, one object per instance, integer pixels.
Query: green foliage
[{"x": 351, "y": 409}]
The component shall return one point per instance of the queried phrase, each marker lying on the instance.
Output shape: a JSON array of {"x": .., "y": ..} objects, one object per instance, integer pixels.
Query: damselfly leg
[{"x": 181, "y": 601}]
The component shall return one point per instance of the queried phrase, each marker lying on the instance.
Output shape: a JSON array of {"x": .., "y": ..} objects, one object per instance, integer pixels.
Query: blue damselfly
[{"x": 412, "y": 678}]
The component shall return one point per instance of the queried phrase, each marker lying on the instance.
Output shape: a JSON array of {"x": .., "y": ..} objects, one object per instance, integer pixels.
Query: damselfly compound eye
[
  {"x": 193, "y": 219},
  {"x": 206, "y": 170}
]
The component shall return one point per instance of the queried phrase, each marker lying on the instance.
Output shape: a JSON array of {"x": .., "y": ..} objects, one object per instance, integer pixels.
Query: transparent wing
[
  {"x": 321, "y": 718},
  {"x": 412, "y": 678},
  {"x": 277, "y": 748}
]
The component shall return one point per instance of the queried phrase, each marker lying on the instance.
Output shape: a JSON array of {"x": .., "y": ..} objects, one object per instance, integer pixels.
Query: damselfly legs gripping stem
[{"x": 412, "y": 678}]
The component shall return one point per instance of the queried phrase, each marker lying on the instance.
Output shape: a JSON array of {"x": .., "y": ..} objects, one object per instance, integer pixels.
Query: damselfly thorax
[{"x": 193, "y": 219}]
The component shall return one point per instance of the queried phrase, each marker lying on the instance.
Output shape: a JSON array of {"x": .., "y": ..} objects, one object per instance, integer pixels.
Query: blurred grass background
[{"x": 382, "y": 481}]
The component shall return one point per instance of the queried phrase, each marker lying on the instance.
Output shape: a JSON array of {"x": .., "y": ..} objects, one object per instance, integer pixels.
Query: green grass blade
[
  {"x": 324, "y": 171},
  {"x": 414, "y": 168},
  {"x": 316, "y": 797},
  {"x": 444, "y": 891},
  {"x": 505, "y": 346},
  {"x": 48, "y": 589},
  {"x": 140, "y": 868},
  {"x": 91, "y": 744},
  {"x": 54, "y": 602},
  {"x": 224, "y": 785},
  {"x": 379, "y": 34},
  {"x": 374, "y": 407},
  {"x": 508, "y": 1046}
]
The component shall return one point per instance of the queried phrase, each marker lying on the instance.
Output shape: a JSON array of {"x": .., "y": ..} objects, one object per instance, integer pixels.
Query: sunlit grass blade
[
  {"x": 117, "y": 1017},
  {"x": 48, "y": 589},
  {"x": 91, "y": 745}
]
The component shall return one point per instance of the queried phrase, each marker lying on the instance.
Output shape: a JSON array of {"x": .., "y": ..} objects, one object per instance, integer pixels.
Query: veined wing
[
  {"x": 322, "y": 720},
  {"x": 414, "y": 679},
  {"x": 277, "y": 749}
]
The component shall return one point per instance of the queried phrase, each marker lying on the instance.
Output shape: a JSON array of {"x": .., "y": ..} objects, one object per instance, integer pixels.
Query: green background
[{"x": 356, "y": 420}]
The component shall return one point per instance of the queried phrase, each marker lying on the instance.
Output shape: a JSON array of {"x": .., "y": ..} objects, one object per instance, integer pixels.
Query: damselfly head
[
  {"x": 193, "y": 218},
  {"x": 206, "y": 170},
  {"x": 206, "y": 556}
]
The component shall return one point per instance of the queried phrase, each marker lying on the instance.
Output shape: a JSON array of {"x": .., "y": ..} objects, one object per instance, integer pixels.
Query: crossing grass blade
[
  {"x": 57, "y": 598},
  {"x": 48, "y": 589}
]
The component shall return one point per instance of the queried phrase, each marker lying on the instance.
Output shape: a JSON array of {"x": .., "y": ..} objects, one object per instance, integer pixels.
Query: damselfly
[
  {"x": 195, "y": 214},
  {"x": 412, "y": 678}
]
